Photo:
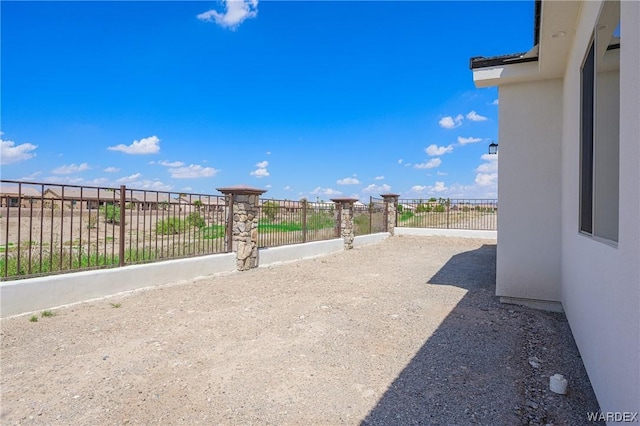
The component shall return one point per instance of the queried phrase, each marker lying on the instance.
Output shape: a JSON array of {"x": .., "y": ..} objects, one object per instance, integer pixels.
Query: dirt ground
[{"x": 407, "y": 331}]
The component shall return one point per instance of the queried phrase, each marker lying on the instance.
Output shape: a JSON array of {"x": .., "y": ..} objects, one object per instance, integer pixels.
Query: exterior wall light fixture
[{"x": 493, "y": 148}]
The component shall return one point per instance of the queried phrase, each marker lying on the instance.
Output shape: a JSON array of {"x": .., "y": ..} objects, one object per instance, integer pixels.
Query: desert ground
[{"x": 407, "y": 331}]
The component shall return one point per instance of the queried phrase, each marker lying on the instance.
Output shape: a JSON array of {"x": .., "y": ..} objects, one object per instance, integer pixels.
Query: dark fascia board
[
  {"x": 514, "y": 58},
  {"x": 493, "y": 61},
  {"x": 536, "y": 24}
]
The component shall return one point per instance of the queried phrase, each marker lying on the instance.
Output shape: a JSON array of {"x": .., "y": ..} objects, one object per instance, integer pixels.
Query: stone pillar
[
  {"x": 243, "y": 206},
  {"x": 391, "y": 214},
  {"x": 344, "y": 216}
]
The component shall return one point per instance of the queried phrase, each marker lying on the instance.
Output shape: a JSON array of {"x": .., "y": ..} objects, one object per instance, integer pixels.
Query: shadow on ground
[{"x": 475, "y": 368}]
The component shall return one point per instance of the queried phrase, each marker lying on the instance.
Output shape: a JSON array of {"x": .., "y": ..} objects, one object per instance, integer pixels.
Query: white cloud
[
  {"x": 260, "y": 173},
  {"x": 449, "y": 122},
  {"x": 287, "y": 188},
  {"x": 487, "y": 172},
  {"x": 438, "y": 187},
  {"x": 495, "y": 102},
  {"x": 377, "y": 188},
  {"x": 400, "y": 161},
  {"x": 186, "y": 188},
  {"x": 378, "y": 178},
  {"x": 489, "y": 157},
  {"x": 487, "y": 168},
  {"x": 268, "y": 153},
  {"x": 98, "y": 181},
  {"x": 267, "y": 186},
  {"x": 130, "y": 178},
  {"x": 12, "y": 153},
  {"x": 70, "y": 169},
  {"x": 434, "y": 149},
  {"x": 68, "y": 180},
  {"x": 153, "y": 185},
  {"x": 439, "y": 173},
  {"x": 486, "y": 179},
  {"x": 192, "y": 171},
  {"x": 150, "y": 145},
  {"x": 325, "y": 191},
  {"x": 171, "y": 163},
  {"x": 464, "y": 141},
  {"x": 474, "y": 116},
  {"x": 236, "y": 12},
  {"x": 112, "y": 169},
  {"x": 348, "y": 181},
  {"x": 33, "y": 176},
  {"x": 261, "y": 170},
  {"x": 429, "y": 189},
  {"x": 434, "y": 162}
]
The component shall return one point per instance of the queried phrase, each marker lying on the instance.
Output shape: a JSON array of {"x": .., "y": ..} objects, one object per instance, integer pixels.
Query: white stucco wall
[
  {"x": 459, "y": 233},
  {"x": 601, "y": 283},
  {"x": 528, "y": 253},
  {"x": 293, "y": 252},
  {"x": 28, "y": 295}
]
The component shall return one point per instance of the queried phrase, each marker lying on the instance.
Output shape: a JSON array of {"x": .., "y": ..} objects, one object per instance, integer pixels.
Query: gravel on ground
[{"x": 403, "y": 332}]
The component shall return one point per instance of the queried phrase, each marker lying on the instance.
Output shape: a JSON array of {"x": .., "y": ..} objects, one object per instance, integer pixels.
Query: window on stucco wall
[{"x": 599, "y": 136}]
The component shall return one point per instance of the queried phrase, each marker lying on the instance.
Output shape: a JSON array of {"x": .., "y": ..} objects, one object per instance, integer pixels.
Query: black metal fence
[
  {"x": 283, "y": 222},
  {"x": 476, "y": 214},
  {"x": 51, "y": 228},
  {"x": 370, "y": 218}
]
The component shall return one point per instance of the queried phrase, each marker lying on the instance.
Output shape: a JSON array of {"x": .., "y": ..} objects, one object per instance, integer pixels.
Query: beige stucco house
[{"x": 569, "y": 129}]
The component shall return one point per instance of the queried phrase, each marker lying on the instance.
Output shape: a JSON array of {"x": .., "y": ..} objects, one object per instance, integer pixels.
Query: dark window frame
[{"x": 587, "y": 131}]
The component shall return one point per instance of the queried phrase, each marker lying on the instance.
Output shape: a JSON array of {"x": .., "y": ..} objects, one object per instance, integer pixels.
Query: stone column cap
[
  {"x": 344, "y": 200},
  {"x": 241, "y": 190},
  {"x": 389, "y": 195}
]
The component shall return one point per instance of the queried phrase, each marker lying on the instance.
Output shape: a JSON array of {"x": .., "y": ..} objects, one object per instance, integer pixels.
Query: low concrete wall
[
  {"x": 33, "y": 294},
  {"x": 364, "y": 240},
  {"x": 22, "y": 296},
  {"x": 290, "y": 253},
  {"x": 461, "y": 233}
]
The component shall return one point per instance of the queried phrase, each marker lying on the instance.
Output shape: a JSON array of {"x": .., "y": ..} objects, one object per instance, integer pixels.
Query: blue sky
[{"x": 305, "y": 99}]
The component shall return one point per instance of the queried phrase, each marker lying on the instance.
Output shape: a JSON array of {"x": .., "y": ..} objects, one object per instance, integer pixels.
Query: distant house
[
  {"x": 152, "y": 200},
  {"x": 76, "y": 198},
  {"x": 15, "y": 196},
  {"x": 206, "y": 204},
  {"x": 569, "y": 178}
]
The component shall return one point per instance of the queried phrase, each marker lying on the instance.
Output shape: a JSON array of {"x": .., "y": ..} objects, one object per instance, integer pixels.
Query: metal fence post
[
  {"x": 304, "y": 221},
  {"x": 447, "y": 203},
  {"x": 123, "y": 199},
  {"x": 370, "y": 212},
  {"x": 338, "y": 220},
  {"x": 229, "y": 229}
]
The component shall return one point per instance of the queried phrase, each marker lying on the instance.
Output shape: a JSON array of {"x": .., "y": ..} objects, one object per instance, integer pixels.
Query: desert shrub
[
  {"x": 270, "y": 209},
  {"x": 194, "y": 219},
  {"x": 400, "y": 208},
  {"x": 320, "y": 220},
  {"x": 440, "y": 208},
  {"x": 406, "y": 216},
  {"x": 110, "y": 213},
  {"x": 92, "y": 221},
  {"x": 423, "y": 208},
  {"x": 170, "y": 226},
  {"x": 361, "y": 223}
]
